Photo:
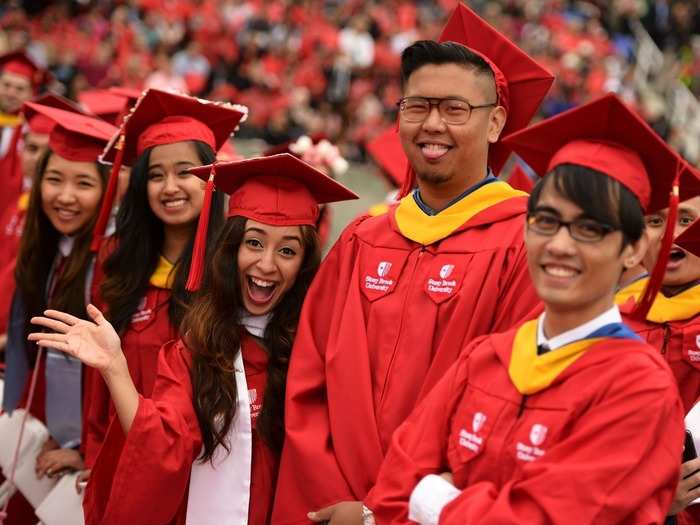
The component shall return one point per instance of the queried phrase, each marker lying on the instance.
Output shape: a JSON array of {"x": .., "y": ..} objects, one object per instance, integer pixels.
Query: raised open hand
[{"x": 95, "y": 342}]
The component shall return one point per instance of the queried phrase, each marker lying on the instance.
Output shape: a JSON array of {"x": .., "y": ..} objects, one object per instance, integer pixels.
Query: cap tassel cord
[
  {"x": 194, "y": 280},
  {"x": 108, "y": 198},
  {"x": 18, "y": 446},
  {"x": 659, "y": 271}
]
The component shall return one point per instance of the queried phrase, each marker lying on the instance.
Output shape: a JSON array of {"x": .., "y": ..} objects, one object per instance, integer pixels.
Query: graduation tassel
[
  {"x": 108, "y": 197},
  {"x": 659, "y": 271},
  {"x": 194, "y": 280}
]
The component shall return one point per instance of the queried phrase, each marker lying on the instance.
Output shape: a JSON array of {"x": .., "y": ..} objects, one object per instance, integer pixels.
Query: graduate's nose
[
  {"x": 561, "y": 243},
  {"x": 67, "y": 194},
  {"x": 434, "y": 122},
  {"x": 266, "y": 262}
]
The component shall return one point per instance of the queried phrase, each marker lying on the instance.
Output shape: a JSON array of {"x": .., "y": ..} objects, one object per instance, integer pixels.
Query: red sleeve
[
  {"x": 418, "y": 446},
  {"x": 308, "y": 435},
  {"x": 640, "y": 417},
  {"x": 142, "y": 478}
]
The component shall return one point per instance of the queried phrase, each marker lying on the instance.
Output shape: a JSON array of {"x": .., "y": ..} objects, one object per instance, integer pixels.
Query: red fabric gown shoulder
[
  {"x": 530, "y": 460},
  {"x": 383, "y": 320},
  {"x": 678, "y": 342}
]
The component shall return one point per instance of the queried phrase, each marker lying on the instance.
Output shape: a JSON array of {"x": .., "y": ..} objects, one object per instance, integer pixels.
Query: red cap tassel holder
[
  {"x": 108, "y": 198},
  {"x": 659, "y": 271},
  {"x": 194, "y": 280}
]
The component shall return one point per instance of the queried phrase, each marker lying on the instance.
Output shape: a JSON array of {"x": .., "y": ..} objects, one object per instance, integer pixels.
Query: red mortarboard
[
  {"x": 387, "y": 152},
  {"x": 104, "y": 103},
  {"x": 75, "y": 137},
  {"x": 606, "y": 136},
  {"x": 279, "y": 190},
  {"x": 690, "y": 239},
  {"x": 159, "y": 118},
  {"x": 42, "y": 124},
  {"x": 20, "y": 63},
  {"x": 521, "y": 83}
]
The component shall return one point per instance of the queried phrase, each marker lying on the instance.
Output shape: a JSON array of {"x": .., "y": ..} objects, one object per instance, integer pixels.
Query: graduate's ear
[{"x": 633, "y": 253}]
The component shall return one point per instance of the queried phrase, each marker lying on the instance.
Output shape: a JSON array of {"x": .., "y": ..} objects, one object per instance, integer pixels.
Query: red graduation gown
[
  {"x": 11, "y": 226},
  {"x": 149, "y": 330},
  {"x": 383, "y": 320},
  {"x": 609, "y": 452},
  {"x": 143, "y": 477}
]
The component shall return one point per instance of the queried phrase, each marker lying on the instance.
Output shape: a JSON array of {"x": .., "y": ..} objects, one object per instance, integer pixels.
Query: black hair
[
  {"x": 139, "y": 239},
  {"x": 601, "y": 198},
  {"x": 425, "y": 52}
]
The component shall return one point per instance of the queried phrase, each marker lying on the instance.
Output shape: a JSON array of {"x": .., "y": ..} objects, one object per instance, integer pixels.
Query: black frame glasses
[
  {"x": 453, "y": 110},
  {"x": 582, "y": 230}
]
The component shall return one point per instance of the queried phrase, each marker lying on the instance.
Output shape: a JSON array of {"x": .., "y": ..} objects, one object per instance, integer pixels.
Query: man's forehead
[
  {"x": 445, "y": 80},
  {"x": 8, "y": 76}
]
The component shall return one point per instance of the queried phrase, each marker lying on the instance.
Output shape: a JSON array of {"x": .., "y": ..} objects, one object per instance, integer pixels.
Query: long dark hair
[
  {"x": 37, "y": 251},
  {"x": 138, "y": 242},
  {"x": 211, "y": 329}
]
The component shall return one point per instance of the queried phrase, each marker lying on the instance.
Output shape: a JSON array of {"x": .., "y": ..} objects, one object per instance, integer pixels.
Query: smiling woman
[
  {"x": 53, "y": 270},
  {"x": 208, "y": 440},
  {"x": 141, "y": 270}
]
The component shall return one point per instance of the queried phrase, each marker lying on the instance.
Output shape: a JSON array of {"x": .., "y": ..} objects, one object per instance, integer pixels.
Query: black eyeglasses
[
  {"x": 583, "y": 230},
  {"x": 453, "y": 110}
]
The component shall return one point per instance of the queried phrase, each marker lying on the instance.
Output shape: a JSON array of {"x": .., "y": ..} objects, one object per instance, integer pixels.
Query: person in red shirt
[
  {"x": 401, "y": 293},
  {"x": 205, "y": 446},
  {"x": 141, "y": 270},
  {"x": 20, "y": 79},
  {"x": 570, "y": 416},
  {"x": 34, "y": 144}
]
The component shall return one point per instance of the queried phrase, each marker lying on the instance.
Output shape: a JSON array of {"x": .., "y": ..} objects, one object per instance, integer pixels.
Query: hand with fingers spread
[
  {"x": 688, "y": 488},
  {"x": 95, "y": 342}
]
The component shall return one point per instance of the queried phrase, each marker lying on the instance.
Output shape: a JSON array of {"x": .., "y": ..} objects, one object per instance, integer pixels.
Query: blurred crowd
[{"x": 331, "y": 66}]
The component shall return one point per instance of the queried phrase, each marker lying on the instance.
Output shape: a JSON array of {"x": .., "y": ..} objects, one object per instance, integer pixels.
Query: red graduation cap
[
  {"x": 279, "y": 190},
  {"x": 606, "y": 136},
  {"x": 387, "y": 152},
  {"x": 75, "y": 137},
  {"x": 42, "y": 124},
  {"x": 521, "y": 83},
  {"x": 689, "y": 240},
  {"x": 106, "y": 103},
  {"x": 158, "y": 118},
  {"x": 20, "y": 63}
]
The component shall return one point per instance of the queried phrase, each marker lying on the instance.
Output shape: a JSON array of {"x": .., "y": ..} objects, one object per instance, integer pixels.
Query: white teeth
[
  {"x": 559, "y": 271},
  {"x": 174, "y": 203},
  {"x": 261, "y": 283},
  {"x": 435, "y": 147}
]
